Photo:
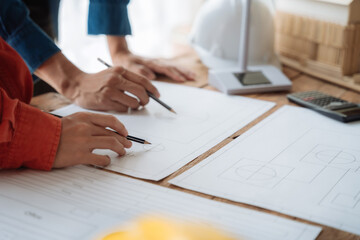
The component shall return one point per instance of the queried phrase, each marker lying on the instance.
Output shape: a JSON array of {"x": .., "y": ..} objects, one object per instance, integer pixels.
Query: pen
[
  {"x": 128, "y": 137},
  {"x": 149, "y": 93}
]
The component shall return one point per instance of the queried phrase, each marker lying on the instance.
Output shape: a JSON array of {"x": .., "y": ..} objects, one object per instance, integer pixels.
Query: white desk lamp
[{"x": 244, "y": 79}]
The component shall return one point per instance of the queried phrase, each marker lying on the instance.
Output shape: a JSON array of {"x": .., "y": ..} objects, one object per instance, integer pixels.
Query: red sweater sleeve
[{"x": 28, "y": 137}]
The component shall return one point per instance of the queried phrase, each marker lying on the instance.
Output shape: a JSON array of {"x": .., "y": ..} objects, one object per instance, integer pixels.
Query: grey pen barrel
[{"x": 159, "y": 101}]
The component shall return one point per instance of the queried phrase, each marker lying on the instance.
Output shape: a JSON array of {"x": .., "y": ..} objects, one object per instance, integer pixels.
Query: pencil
[
  {"x": 134, "y": 139},
  {"x": 138, "y": 140},
  {"x": 128, "y": 137},
  {"x": 149, "y": 93}
]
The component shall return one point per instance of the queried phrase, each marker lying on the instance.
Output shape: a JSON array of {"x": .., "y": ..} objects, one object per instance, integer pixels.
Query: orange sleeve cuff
[{"x": 35, "y": 140}]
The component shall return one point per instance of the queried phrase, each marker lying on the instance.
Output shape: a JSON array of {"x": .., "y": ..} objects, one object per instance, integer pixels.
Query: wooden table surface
[{"x": 301, "y": 82}]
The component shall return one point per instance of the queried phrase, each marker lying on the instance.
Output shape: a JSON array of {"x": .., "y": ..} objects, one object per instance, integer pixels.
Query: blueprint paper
[
  {"x": 204, "y": 118},
  {"x": 66, "y": 202},
  {"x": 296, "y": 162}
]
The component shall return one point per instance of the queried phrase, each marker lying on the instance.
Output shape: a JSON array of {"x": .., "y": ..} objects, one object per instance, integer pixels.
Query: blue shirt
[{"x": 108, "y": 17}]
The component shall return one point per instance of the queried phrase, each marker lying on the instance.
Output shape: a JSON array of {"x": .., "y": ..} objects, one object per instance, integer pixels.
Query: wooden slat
[{"x": 314, "y": 69}]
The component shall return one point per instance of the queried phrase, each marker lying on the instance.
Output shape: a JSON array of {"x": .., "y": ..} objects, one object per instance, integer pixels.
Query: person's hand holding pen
[
  {"x": 81, "y": 133},
  {"x": 148, "y": 93},
  {"x": 104, "y": 91}
]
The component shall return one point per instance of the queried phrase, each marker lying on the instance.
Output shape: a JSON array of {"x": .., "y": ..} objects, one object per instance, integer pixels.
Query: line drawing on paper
[
  {"x": 139, "y": 150},
  {"x": 154, "y": 147},
  {"x": 333, "y": 156},
  {"x": 345, "y": 200},
  {"x": 254, "y": 172}
]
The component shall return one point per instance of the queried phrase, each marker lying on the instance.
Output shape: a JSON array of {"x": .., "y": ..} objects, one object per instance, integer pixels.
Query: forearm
[
  {"x": 61, "y": 74},
  {"x": 17, "y": 29},
  {"x": 117, "y": 46}
]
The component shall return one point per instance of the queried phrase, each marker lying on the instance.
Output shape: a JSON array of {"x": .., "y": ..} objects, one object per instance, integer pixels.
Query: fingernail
[{"x": 123, "y": 152}]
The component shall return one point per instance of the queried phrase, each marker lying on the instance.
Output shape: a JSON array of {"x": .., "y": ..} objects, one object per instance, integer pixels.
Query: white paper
[
  {"x": 28, "y": 212},
  {"x": 204, "y": 118},
  {"x": 296, "y": 162},
  {"x": 76, "y": 196}
]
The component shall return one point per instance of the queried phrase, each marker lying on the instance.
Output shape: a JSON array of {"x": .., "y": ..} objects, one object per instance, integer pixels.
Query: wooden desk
[{"x": 301, "y": 82}]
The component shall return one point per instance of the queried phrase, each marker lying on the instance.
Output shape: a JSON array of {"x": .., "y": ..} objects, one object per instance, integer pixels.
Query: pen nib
[
  {"x": 146, "y": 142},
  {"x": 172, "y": 110}
]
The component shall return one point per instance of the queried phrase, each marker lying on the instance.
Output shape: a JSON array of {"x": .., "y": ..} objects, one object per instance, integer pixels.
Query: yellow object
[{"x": 155, "y": 228}]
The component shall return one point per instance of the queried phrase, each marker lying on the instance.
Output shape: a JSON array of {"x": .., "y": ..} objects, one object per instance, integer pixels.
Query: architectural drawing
[
  {"x": 200, "y": 123},
  {"x": 296, "y": 162},
  {"x": 334, "y": 156},
  {"x": 256, "y": 173}
]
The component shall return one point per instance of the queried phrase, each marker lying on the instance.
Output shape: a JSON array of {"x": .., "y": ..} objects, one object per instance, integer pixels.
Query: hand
[
  {"x": 122, "y": 56},
  {"x": 106, "y": 90},
  {"x": 81, "y": 133},
  {"x": 150, "y": 67}
]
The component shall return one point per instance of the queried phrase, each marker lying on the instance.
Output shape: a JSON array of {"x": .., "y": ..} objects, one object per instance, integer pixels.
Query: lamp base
[{"x": 263, "y": 78}]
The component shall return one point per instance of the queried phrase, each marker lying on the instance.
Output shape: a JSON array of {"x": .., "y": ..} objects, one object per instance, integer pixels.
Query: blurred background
[{"x": 157, "y": 25}]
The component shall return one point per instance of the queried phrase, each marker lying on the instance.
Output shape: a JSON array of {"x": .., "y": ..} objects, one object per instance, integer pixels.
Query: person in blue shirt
[{"x": 99, "y": 91}]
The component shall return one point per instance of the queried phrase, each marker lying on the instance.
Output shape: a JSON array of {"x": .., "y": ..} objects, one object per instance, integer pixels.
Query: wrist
[
  {"x": 70, "y": 87},
  {"x": 118, "y": 48},
  {"x": 122, "y": 58},
  {"x": 61, "y": 74}
]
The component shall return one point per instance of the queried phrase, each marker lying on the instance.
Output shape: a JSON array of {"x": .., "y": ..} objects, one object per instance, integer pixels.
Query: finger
[
  {"x": 136, "y": 89},
  {"x": 167, "y": 70},
  {"x": 99, "y": 131},
  {"x": 98, "y": 160},
  {"x": 121, "y": 97},
  {"x": 108, "y": 121},
  {"x": 189, "y": 75},
  {"x": 178, "y": 76},
  {"x": 107, "y": 142},
  {"x": 109, "y": 105},
  {"x": 102, "y": 102},
  {"x": 171, "y": 71},
  {"x": 146, "y": 72},
  {"x": 174, "y": 74},
  {"x": 138, "y": 79}
]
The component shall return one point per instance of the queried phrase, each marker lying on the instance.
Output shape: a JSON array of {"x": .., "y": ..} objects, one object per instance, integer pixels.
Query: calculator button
[{"x": 308, "y": 99}]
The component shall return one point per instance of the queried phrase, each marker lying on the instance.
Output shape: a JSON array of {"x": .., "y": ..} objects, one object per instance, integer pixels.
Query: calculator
[{"x": 327, "y": 105}]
